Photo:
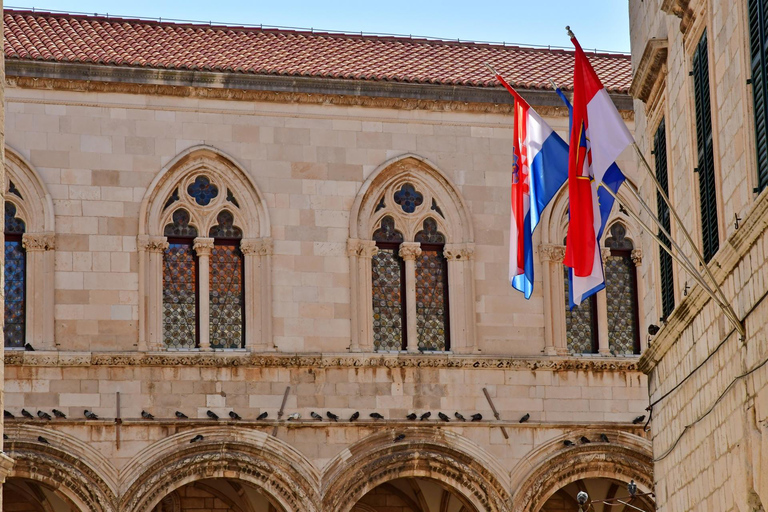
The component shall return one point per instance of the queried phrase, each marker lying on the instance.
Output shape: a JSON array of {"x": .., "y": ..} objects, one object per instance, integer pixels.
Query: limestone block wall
[{"x": 707, "y": 426}]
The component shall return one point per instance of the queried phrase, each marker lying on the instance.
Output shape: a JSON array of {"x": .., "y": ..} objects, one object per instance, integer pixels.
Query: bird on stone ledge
[
  {"x": 459, "y": 417},
  {"x": 443, "y": 417},
  {"x": 399, "y": 438},
  {"x": 89, "y": 415},
  {"x": 569, "y": 443},
  {"x": 28, "y": 347},
  {"x": 42, "y": 440},
  {"x": 604, "y": 438},
  {"x": 181, "y": 415},
  {"x": 262, "y": 416},
  {"x": 59, "y": 414},
  {"x": 316, "y": 416},
  {"x": 26, "y": 414},
  {"x": 477, "y": 417},
  {"x": 425, "y": 416},
  {"x": 146, "y": 415},
  {"x": 332, "y": 416},
  {"x": 234, "y": 415},
  {"x": 376, "y": 416},
  {"x": 7, "y": 414},
  {"x": 585, "y": 439},
  {"x": 412, "y": 416},
  {"x": 293, "y": 417},
  {"x": 525, "y": 418},
  {"x": 44, "y": 415},
  {"x": 212, "y": 415},
  {"x": 197, "y": 438},
  {"x": 638, "y": 420},
  {"x": 355, "y": 416}
]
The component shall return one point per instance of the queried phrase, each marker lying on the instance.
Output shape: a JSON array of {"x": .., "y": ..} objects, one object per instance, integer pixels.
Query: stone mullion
[
  {"x": 361, "y": 253},
  {"x": 203, "y": 247},
  {"x": 265, "y": 293},
  {"x": 603, "y": 347},
  {"x": 252, "y": 284},
  {"x": 461, "y": 296},
  {"x": 409, "y": 251}
]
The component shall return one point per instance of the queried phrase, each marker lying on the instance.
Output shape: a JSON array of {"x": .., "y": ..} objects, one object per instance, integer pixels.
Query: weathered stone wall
[{"x": 708, "y": 424}]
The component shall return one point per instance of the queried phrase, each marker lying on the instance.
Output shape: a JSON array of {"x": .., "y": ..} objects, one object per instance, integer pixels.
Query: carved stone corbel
[{"x": 637, "y": 257}]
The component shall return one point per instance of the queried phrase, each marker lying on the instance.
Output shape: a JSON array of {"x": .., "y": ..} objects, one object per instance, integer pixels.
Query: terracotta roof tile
[{"x": 141, "y": 43}]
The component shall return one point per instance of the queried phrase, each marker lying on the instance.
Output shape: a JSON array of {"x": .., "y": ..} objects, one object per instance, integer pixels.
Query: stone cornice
[
  {"x": 272, "y": 360},
  {"x": 649, "y": 69},
  {"x": 724, "y": 263},
  {"x": 238, "y": 86}
]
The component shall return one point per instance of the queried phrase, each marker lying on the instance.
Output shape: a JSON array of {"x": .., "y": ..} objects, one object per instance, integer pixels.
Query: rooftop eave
[{"x": 410, "y": 92}]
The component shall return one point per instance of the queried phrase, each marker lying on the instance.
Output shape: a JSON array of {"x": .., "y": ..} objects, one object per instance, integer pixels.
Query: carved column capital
[
  {"x": 637, "y": 257},
  {"x": 38, "y": 241},
  {"x": 260, "y": 246},
  {"x": 554, "y": 253},
  {"x": 152, "y": 243},
  {"x": 409, "y": 251},
  {"x": 605, "y": 253},
  {"x": 459, "y": 251},
  {"x": 361, "y": 248},
  {"x": 203, "y": 246}
]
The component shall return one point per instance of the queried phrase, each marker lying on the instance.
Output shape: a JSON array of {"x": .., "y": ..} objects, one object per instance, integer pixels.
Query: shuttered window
[
  {"x": 758, "y": 42},
  {"x": 706, "y": 155},
  {"x": 662, "y": 210}
]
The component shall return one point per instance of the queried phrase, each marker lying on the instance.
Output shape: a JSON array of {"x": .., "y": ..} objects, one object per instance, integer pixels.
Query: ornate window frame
[
  {"x": 454, "y": 222},
  {"x": 551, "y": 253},
  {"x": 34, "y": 206},
  {"x": 251, "y": 215}
]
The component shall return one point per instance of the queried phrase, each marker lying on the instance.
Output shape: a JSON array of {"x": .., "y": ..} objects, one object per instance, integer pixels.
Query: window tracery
[
  {"x": 15, "y": 278},
  {"x": 193, "y": 287},
  {"x": 407, "y": 217}
]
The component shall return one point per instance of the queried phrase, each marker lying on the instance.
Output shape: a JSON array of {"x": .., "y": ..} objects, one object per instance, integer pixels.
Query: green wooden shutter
[
  {"x": 758, "y": 43},
  {"x": 706, "y": 156},
  {"x": 662, "y": 210}
]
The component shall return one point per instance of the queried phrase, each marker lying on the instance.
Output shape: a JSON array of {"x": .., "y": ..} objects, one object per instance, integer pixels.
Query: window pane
[
  {"x": 226, "y": 296},
  {"x": 431, "y": 304},
  {"x": 581, "y": 335},
  {"x": 180, "y": 296},
  {"x": 14, "y": 293},
  {"x": 388, "y": 318},
  {"x": 621, "y": 293}
]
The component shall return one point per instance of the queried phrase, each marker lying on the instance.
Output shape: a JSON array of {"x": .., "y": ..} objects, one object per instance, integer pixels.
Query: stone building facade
[
  {"x": 698, "y": 77},
  {"x": 220, "y": 223}
]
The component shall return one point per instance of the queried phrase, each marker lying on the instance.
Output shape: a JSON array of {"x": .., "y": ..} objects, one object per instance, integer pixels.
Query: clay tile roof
[{"x": 151, "y": 44}]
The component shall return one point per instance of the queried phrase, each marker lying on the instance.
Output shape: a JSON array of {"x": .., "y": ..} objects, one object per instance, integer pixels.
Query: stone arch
[
  {"x": 252, "y": 213},
  {"x": 66, "y": 465},
  {"x": 553, "y": 465},
  {"x": 255, "y": 457},
  {"x": 429, "y": 453},
  {"x": 457, "y": 220},
  {"x": 239, "y": 195},
  {"x": 443, "y": 203},
  {"x": 35, "y": 204}
]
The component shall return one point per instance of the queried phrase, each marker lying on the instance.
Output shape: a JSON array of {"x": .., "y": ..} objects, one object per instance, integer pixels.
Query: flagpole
[
  {"x": 683, "y": 261},
  {"x": 687, "y": 235}
]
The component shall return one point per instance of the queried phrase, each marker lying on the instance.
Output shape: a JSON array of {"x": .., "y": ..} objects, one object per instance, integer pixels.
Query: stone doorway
[
  {"x": 564, "y": 500},
  {"x": 217, "y": 495},
  {"x": 23, "y": 495},
  {"x": 413, "y": 495}
]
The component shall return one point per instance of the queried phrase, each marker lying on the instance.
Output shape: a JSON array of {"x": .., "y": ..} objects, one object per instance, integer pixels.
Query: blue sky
[{"x": 601, "y": 24}]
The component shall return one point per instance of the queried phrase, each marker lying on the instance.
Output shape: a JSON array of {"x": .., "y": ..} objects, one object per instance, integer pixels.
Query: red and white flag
[{"x": 598, "y": 137}]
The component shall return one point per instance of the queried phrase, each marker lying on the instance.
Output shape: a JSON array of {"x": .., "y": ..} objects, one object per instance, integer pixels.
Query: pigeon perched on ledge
[
  {"x": 212, "y": 415},
  {"x": 262, "y": 416},
  {"x": 44, "y": 415},
  {"x": 59, "y": 414},
  {"x": 89, "y": 415},
  {"x": 181, "y": 415}
]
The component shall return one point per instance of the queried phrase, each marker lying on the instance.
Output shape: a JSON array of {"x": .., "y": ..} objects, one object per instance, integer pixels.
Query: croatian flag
[
  {"x": 602, "y": 136},
  {"x": 539, "y": 169}
]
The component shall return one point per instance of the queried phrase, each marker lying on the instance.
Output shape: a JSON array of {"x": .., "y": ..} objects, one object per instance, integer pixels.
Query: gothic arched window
[
  {"x": 204, "y": 235},
  {"x": 15, "y": 278},
  {"x": 621, "y": 294}
]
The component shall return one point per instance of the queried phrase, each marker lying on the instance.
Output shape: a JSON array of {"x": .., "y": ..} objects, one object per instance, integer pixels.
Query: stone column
[
  {"x": 409, "y": 251},
  {"x": 5, "y": 462},
  {"x": 39, "y": 289},
  {"x": 360, "y": 253},
  {"x": 203, "y": 247},
  {"x": 251, "y": 292},
  {"x": 602, "y": 314},
  {"x": 551, "y": 257},
  {"x": 637, "y": 259},
  {"x": 154, "y": 247},
  {"x": 266, "y": 248},
  {"x": 461, "y": 297}
]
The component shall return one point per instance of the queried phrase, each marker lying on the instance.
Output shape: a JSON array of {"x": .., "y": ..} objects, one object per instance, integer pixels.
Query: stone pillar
[
  {"x": 461, "y": 297},
  {"x": 203, "y": 247},
  {"x": 409, "y": 251},
  {"x": 151, "y": 251},
  {"x": 40, "y": 289},
  {"x": 266, "y": 248},
  {"x": 637, "y": 259},
  {"x": 360, "y": 253},
  {"x": 602, "y": 314},
  {"x": 551, "y": 257}
]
